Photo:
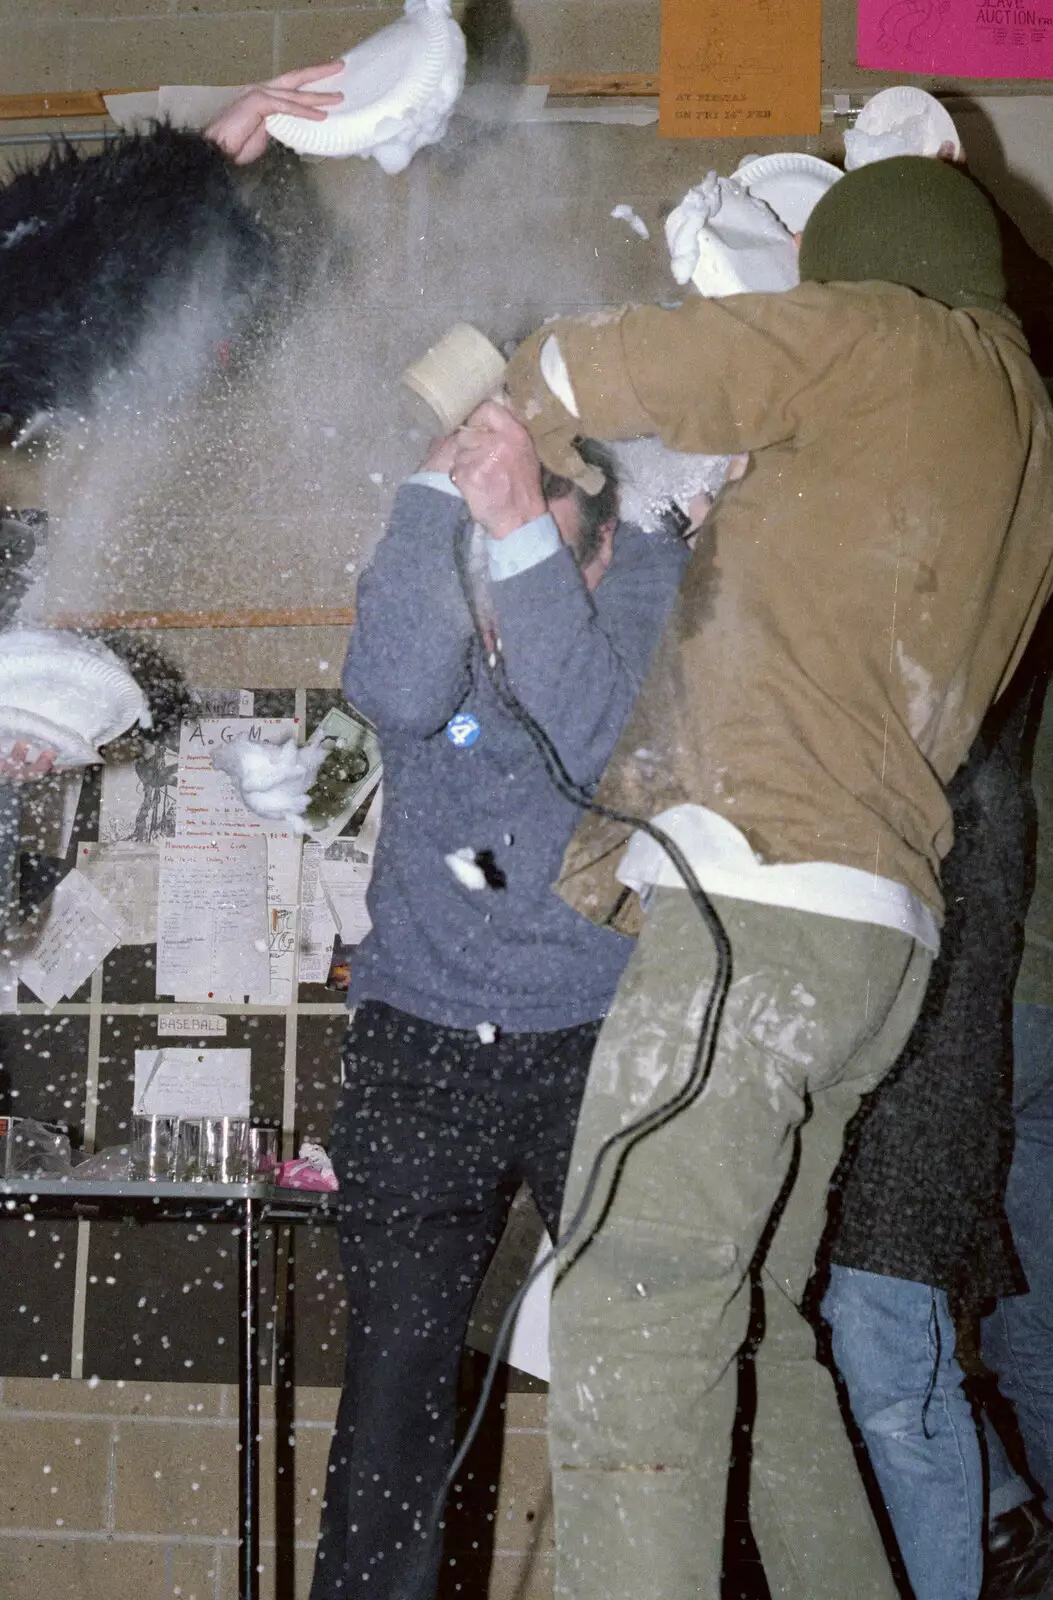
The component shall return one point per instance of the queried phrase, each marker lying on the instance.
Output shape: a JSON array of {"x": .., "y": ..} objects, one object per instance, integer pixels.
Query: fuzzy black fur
[{"x": 92, "y": 248}]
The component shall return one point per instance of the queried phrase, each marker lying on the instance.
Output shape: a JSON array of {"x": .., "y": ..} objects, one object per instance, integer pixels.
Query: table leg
[
  {"x": 249, "y": 1406},
  {"x": 285, "y": 1419}
]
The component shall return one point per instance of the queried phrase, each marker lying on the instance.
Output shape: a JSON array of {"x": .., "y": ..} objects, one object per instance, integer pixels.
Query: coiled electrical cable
[{"x": 575, "y": 1238}]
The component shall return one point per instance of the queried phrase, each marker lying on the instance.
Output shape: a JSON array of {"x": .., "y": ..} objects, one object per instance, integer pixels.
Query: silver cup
[
  {"x": 233, "y": 1150},
  {"x": 264, "y": 1151},
  {"x": 190, "y": 1164},
  {"x": 214, "y": 1150},
  {"x": 155, "y": 1142}
]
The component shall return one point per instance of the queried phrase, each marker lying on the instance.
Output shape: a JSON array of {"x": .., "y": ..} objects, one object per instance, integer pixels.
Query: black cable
[{"x": 625, "y": 1138}]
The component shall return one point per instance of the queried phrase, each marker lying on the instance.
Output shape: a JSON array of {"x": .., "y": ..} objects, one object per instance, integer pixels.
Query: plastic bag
[
  {"x": 111, "y": 1165},
  {"x": 35, "y": 1150}
]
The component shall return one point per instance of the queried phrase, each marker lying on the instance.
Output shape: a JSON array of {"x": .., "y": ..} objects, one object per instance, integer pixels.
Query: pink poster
[{"x": 959, "y": 38}]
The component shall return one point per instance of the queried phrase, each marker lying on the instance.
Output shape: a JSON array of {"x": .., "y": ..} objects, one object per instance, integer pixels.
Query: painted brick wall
[{"x": 120, "y": 1489}]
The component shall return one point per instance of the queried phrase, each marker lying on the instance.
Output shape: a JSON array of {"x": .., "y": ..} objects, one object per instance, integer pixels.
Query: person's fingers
[
  {"x": 298, "y": 105},
  {"x": 497, "y": 418},
  {"x": 293, "y": 108},
  {"x": 301, "y": 75},
  {"x": 44, "y": 762},
  {"x": 473, "y": 463},
  {"x": 19, "y": 751},
  {"x": 310, "y": 97}
]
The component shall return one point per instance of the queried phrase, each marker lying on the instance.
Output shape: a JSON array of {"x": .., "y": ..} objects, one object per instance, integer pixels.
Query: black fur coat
[
  {"x": 93, "y": 247},
  {"x": 920, "y": 1193}
]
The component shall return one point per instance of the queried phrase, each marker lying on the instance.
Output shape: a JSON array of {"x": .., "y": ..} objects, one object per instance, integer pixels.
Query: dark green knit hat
[{"x": 909, "y": 220}]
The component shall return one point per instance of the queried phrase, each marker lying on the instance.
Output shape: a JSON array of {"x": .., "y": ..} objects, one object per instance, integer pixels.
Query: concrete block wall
[
  {"x": 130, "y": 1489},
  {"x": 83, "y": 44}
]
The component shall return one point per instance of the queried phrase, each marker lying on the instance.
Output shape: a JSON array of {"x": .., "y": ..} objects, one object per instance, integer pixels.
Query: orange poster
[{"x": 732, "y": 68}]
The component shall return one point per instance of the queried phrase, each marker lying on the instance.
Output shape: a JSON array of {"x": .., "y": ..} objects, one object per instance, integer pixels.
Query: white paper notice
[
  {"x": 126, "y": 875},
  {"x": 208, "y": 806},
  {"x": 317, "y": 924},
  {"x": 528, "y": 1345},
  {"x": 346, "y": 870},
  {"x": 79, "y": 930},
  {"x": 212, "y": 919},
  {"x": 192, "y": 1083}
]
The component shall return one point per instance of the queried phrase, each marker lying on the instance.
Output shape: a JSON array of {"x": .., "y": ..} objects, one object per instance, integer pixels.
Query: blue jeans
[
  {"x": 1017, "y": 1339},
  {"x": 894, "y": 1346}
]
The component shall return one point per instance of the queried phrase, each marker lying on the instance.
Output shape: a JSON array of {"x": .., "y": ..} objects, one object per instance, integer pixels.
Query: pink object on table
[{"x": 301, "y": 1174}]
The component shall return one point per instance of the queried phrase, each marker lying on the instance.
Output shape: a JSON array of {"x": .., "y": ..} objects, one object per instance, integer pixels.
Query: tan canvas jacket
[{"x": 857, "y": 602}]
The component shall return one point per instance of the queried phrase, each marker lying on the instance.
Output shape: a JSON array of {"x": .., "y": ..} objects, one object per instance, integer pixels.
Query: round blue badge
[{"x": 463, "y": 730}]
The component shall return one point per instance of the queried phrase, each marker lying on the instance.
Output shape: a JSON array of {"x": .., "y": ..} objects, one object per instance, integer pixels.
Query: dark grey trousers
[{"x": 434, "y": 1133}]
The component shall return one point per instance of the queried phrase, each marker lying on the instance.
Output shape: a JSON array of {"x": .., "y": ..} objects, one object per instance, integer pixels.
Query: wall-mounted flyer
[
  {"x": 957, "y": 37},
  {"x": 740, "y": 68}
]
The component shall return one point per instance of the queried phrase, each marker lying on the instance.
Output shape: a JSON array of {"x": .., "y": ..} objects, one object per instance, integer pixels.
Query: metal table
[{"x": 251, "y": 1206}]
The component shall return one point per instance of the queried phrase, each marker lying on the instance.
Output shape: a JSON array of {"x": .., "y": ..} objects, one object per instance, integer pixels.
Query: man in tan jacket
[{"x": 856, "y": 604}]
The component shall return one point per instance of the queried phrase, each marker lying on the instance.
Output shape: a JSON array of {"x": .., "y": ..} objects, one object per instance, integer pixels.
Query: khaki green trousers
[{"x": 649, "y": 1319}]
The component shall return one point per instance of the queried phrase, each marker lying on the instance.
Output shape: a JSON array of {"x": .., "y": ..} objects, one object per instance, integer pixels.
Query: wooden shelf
[
  {"x": 136, "y": 621},
  {"x": 561, "y": 86}
]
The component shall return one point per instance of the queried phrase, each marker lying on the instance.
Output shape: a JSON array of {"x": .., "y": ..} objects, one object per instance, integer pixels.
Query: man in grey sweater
[{"x": 441, "y": 1119}]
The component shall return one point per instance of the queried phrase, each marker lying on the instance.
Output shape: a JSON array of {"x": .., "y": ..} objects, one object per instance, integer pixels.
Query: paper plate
[
  {"x": 790, "y": 183},
  {"x": 66, "y": 692},
  {"x": 932, "y": 123},
  {"x": 391, "y": 78}
]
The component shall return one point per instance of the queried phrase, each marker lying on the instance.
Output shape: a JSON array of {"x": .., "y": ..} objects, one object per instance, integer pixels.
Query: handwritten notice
[
  {"x": 208, "y": 805},
  {"x": 79, "y": 930},
  {"x": 207, "y": 801},
  {"x": 212, "y": 919},
  {"x": 192, "y": 1083},
  {"x": 958, "y": 37},
  {"x": 732, "y": 68}
]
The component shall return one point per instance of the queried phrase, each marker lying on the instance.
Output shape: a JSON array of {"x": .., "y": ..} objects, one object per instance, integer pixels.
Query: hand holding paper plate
[
  {"x": 399, "y": 88},
  {"x": 63, "y": 692}
]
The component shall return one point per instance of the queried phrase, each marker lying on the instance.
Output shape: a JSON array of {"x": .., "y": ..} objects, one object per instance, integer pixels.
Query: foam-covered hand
[{"x": 552, "y": 427}]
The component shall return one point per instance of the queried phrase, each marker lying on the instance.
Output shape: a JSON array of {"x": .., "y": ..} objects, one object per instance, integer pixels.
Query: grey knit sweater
[{"x": 516, "y": 955}]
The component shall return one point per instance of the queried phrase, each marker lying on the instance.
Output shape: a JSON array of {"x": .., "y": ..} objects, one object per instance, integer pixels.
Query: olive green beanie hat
[{"x": 910, "y": 220}]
